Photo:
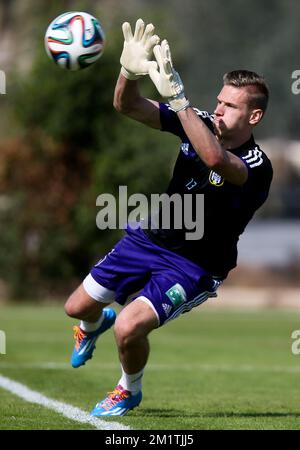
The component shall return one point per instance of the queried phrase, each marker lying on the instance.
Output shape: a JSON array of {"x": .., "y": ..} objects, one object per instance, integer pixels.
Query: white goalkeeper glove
[
  {"x": 166, "y": 80},
  {"x": 137, "y": 51}
]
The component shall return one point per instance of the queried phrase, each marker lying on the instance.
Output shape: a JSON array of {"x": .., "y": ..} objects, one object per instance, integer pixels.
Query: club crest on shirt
[
  {"x": 184, "y": 147},
  {"x": 215, "y": 179}
]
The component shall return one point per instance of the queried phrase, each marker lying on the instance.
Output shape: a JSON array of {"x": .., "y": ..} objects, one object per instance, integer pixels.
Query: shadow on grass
[{"x": 151, "y": 412}]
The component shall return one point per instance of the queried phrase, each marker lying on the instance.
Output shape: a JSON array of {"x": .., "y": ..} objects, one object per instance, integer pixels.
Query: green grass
[{"x": 207, "y": 370}]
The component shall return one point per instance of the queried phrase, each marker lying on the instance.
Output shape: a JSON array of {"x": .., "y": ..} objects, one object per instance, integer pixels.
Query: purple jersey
[
  {"x": 159, "y": 266},
  {"x": 227, "y": 207}
]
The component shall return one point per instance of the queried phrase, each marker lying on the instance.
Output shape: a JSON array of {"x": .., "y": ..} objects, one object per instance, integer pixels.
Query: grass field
[{"x": 209, "y": 369}]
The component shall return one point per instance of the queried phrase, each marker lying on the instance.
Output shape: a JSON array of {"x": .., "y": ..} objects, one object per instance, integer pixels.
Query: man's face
[{"x": 232, "y": 112}]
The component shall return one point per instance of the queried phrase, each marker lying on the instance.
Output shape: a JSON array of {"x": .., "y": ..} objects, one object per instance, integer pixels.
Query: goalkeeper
[{"x": 164, "y": 273}]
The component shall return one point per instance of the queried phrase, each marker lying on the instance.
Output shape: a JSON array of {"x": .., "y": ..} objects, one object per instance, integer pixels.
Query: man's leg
[
  {"x": 80, "y": 305},
  {"x": 162, "y": 299},
  {"x": 132, "y": 327},
  {"x": 95, "y": 320}
]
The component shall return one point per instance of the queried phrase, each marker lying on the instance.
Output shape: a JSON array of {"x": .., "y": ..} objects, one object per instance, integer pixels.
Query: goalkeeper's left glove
[
  {"x": 137, "y": 50},
  {"x": 166, "y": 79}
]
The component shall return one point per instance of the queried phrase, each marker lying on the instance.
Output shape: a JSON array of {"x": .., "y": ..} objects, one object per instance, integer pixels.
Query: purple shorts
[{"x": 138, "y": 268}]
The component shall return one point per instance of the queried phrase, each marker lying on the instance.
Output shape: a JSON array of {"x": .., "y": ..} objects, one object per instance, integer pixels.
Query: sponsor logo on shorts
[
  {"x": 215, "y": 179},
  {"x": 176, "y": 294}
]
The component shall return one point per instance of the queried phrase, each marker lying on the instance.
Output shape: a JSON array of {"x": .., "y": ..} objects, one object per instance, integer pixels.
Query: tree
[{"x": 72, "y": 146}]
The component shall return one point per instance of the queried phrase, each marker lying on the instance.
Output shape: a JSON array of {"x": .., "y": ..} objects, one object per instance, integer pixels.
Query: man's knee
[
  {"x": 72, "y": 308},
  {"x": 80, "y": 305},
  {"x": 134, "y": 323},
  {"x": 127, "y": 331}
]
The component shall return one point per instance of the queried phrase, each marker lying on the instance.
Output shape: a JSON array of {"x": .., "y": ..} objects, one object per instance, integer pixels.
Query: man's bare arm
[
  {"x": 128, "y": 101},
  {"x": 225, "y": 163},
  {"x": 169, "y": 85}
]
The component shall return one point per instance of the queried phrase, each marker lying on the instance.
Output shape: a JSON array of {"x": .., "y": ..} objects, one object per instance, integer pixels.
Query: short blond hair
[{"x": 256, "y": 84}]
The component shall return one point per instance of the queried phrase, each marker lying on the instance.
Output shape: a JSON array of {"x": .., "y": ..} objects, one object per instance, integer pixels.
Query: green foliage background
[{"x": 71, "y": 147}]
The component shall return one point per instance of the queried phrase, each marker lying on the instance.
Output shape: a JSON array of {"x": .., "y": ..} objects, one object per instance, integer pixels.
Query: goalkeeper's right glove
[
  {"x": 137, "y": 51},
  {"x": 166, "y": 80}
]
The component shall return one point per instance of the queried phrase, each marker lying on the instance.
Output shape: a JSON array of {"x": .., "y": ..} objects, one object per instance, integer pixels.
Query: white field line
[
  {"x": 155, "y": 367},
  {"x": 69, "y": 411}
]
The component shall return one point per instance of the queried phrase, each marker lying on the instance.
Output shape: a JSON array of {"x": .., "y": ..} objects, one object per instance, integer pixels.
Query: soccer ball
[{"x": 74, "y": 40}]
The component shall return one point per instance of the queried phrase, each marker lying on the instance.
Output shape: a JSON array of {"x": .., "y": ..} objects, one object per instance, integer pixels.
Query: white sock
[
  {"x": 91, "y": 326},
  {"x": 133, "y": 382}
]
